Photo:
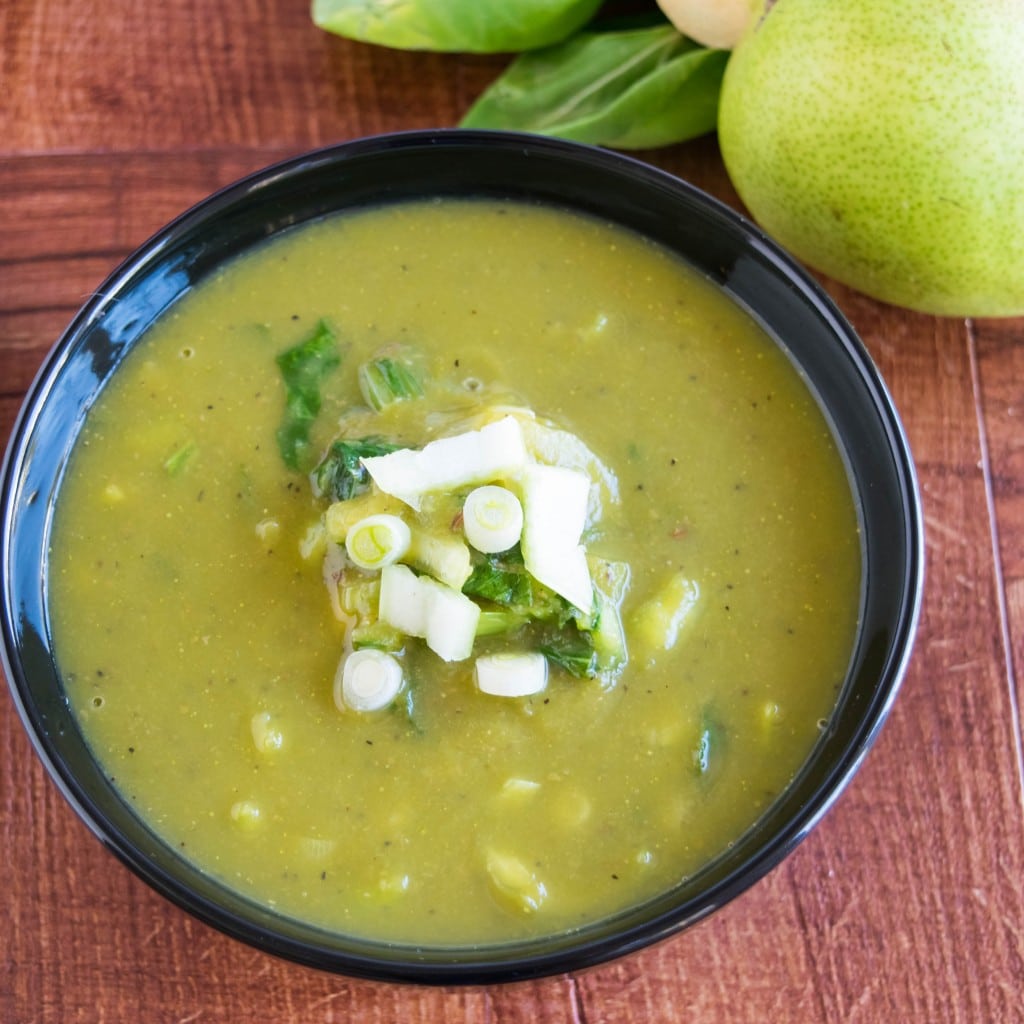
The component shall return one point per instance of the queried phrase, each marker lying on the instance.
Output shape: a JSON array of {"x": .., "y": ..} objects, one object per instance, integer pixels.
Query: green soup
[{"x": 199, "y": 636}]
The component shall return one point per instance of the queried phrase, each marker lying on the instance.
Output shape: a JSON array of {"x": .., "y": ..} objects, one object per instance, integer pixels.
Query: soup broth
[{"x": 199, "y": 638}]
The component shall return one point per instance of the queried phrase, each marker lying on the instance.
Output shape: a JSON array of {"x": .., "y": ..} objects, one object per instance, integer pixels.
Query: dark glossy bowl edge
[{"x": 481, "y": 970}]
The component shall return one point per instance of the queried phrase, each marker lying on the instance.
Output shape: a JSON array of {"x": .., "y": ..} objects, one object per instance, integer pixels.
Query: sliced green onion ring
[
  {"x": 512, "y": 674},
  {"x": 492, "y": 519},
  {"x": 377, "y": 540},
  {"x": 367, "y": 680}
]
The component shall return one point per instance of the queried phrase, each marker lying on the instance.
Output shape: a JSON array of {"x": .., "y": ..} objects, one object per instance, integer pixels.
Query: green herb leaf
[
  {"x": 706, "y": 755},
  {"x": 340, "y": 475},
  {"x": 631, "y": 89},
  {"x": 503, "y": 580},
  {"x": 574, "y": 652},
  {"x": 303, "y": 369},
  {"x": 406, "y": 708},
  {"x": 177, "y": 462},
  {"x": 491, "y": 581},
  {"x": 455, "y": 26}
]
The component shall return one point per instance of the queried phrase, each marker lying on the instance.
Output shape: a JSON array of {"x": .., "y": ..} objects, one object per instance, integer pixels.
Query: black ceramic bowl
[{"x": 721, "y": 245}]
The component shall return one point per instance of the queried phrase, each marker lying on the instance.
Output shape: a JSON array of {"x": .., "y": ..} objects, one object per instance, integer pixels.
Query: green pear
[{"x": 882, "y": 142}]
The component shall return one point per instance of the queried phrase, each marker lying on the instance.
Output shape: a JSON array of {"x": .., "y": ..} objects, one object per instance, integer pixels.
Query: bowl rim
[{"x": 449, "y": 965}]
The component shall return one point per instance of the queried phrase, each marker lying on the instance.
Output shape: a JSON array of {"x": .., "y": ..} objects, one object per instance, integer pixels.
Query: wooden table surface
[{"x": 904, "y": 905}]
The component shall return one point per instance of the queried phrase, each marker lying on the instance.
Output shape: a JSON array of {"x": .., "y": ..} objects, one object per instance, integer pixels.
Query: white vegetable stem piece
[
  {"x": 403, "y": 600},
  {"x": 369, "y": 680},
  {"x": 492, "y": 519},
  {"x": 477, "y": 456},
  {"x": 377, "y": 541},
  {"x": 556, "y": 447},
  {"x": 420, "y": 606},
  {"x": 444, "y": 556},
  {"x": 555, "y": 513},
  {"x": 512, "y": 674}
]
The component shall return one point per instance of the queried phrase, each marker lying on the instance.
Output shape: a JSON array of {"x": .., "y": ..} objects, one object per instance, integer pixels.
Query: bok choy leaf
[
  {"x": 468, "y": 26},
  {"x": 574, "y": 652},
  {"x": 340, "y": 474},
  {"x": 628, "y": 89},
  {"x": 385, "y": 381},
  {"x": 512, "y": 588},
  {"x": 303, "y": 369}
]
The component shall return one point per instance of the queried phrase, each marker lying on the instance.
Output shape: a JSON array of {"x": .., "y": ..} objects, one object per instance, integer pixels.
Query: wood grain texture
[
  {"x": 191, "y": 74},
  {"x": 905, "y": 904}
]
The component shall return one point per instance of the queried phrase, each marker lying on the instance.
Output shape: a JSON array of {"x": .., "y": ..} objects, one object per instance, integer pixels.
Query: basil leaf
[
  {"x": 455, "y": 26},
  {"x": 630, "y": 89},
  {"x": 303, "y": 369}
]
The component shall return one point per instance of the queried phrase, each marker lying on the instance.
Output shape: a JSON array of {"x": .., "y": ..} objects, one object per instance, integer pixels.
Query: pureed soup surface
[{"x": 199, "y": 642}]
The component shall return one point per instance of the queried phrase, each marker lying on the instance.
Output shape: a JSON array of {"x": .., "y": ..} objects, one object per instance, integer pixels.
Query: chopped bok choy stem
[
  {"x": 555, "y": 503},
  {"x": 385, "y": 380},
  {"x": 502, "y": 620},
  {"x": 420, "y": 606},
  {"x": 611, "y": 582},
  {"x": 512, "y": 674},
  {"x": 554, "y": 447},
  {"x": 367, "y": 680},
  {"x": 443, "y": 556},
  {"x": 492, "y": 519},
  {"x": 451, "y": 622},
  {"x": 380, "y": 636},
  {"x": 377, "y": 541},
  {"x": 477, "y": 456}
]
